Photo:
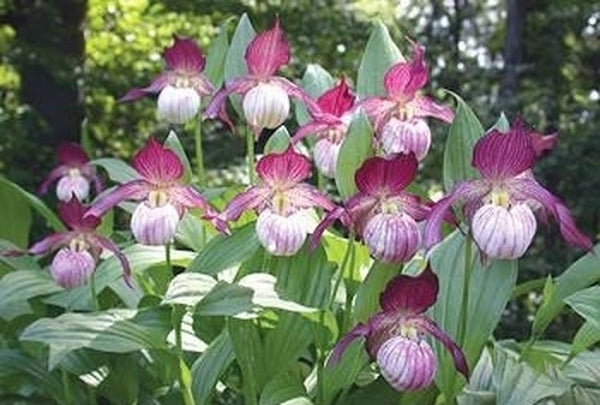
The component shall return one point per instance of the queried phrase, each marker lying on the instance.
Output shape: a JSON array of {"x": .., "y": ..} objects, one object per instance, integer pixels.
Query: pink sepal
[
  {"x": 267, "y": 52},
  {"x": 72, "y": 214},
  {"x": 307, "y": 196},
  {"x": 50, "y": 242},
  {"x": 134, "y": 190},
  {"x": 330, "y": 217},
  {"x": 426, "y": 107},
  {"x": 500, "y": 156},
  {"x": 360, "y": 330},
  {"x": 216, "y": 107},
  {"x": 403, "y": 79},
  {"x": 288, "y": 167},
  {"x": 410, "y": 295},
  {"x": 191, "y": 198},
  {"x": 156, "y": 86},
  {"x": 110, "y": 246},
  {"x": 253, "y": 198},
  {"x": 158, "y": 164},
  {"x": 184, "y": 55},
  {"x": 54, "y": 175},
  {"x": 380, "y": 176},
  {"x": 337, "y": 100}
]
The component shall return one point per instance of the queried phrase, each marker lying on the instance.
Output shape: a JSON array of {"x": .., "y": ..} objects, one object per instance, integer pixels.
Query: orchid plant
[{"x": 251, "y": 313}]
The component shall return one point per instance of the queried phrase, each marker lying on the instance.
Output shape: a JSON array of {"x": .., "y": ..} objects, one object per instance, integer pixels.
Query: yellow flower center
[
  {"x": 78, "y": 244},
  {"x": 74, "y": 172},
  {"x": 279, "y": 202},
  {"x": 157, "y": 198},
  {"x": 498, "y": 197}
]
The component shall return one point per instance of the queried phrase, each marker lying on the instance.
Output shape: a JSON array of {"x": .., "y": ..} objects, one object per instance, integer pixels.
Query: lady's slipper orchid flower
[
  {"x": 74, "y": 174},
  {"x": 281, "y": 201},
  {"x": 181, "y": 86},
  {"x": 381, "y": 212},
  {"x": 163, "y": 198},
  {"x": 501, "y": 205},
  {"x": 265, "y": 102},
  {"x": 79, "y": 247},
  {"x": 398, "y": 118},
  {"x": 395, "y": 335},
  {"x": 329, "y": 125}
]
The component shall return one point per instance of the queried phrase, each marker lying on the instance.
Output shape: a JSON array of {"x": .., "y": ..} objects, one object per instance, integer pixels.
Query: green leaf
[
  {"x": 235, "y": 63},
  {"x": 16, "y": 218},
  {"x": 579, "y": 275},
  {"x": 210, "y": 366},
  {"x": 355, "y": 149},
  {"x": 34, "y": 202},
  {"x": 225, "y": 299},
  {"x": 586, "y": 303},
  {"x": 122, "y": 368},
  {"x": 114, "y": 331},
  {"x": 278, "y": 142},
  {"x": 118, "y": 171},
  {"x": 283, "y": 388},
  {"x": 315, "y": 82},
  {"x": 189, "y": 289},
  {"x": 265, "y": 296},
  {"x": 464, "y": 132},
  {"x": 499, "y": 276},
  {"x": 172, "y": 142},
  {"x": 249, "y": 353},
  {"x": 191, "y": 231},
  {"x": 344, "y": 373},
  {"x": 19, "y": 286},
  {"x": 215, "y": 57},
  {"x": 380, "y": 54},
  {"x": 223, "y": 252},
  {"x": 502, "y": 124},
  {"x": 587, "y": 335},
  {"x": 18, "y": 262}
]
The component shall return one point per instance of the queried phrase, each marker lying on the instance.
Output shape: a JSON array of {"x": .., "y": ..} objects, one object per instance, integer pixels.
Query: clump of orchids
[{"x": 501, "y": 206}]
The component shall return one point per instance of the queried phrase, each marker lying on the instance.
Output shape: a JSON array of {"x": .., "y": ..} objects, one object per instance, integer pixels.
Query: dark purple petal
[
  {"x": 426, "y": 107},
  {"x": 460, "y": 361},
  {"x": 252, "y": 198},
  {"x": 158, "y": 164},
  {"x": 98, "y": 184},
  {"x": 50, "y": 242},
  {"x": 328, "y": 220},
  {"x": 337, "y": 100},
  {"x": 184, "y": 56},
  {"x": 529, "y": 188},
  {"x": 156, "y": 86},
  {"x": 216, "y": 107},
  {"x": 72, "y": 214},
  {"x": 54, "y": 175},
  {"x": 71, "y": 154},
  {"x": 288, "y": 167},
  {"x": 109, "y": 245},
  {"x": 267, "y": 52},
  {"x": 380, "y": 176},
  {"x": 134, "y": 190},
  {"x": 360, "y": 330},
  {"x": 540, "y": 143},
  {"x": 403, "y": 79},
  {"x": 501, "y": 156},
  {"x": 409, "y": 294}
]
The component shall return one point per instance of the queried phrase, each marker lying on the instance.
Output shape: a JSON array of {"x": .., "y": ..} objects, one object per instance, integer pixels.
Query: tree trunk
[{"x": 513, "y": 56}]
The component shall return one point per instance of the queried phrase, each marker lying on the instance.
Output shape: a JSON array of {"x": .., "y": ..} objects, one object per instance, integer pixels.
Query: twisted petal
[
  {"x": 360, "y": 330},
  {"x": 158, "y": 164},
  {"x": 73, "y": 215},
  {"x": 360, "y": 207},
  {"x": 184, "y": 55},
  {"x": 310, "y": 128},
  {"x": 288, "y": 167},
  {"x": 50, "y": 242},
  {"x": 330, "y": 217},
  {"x": 500, "y": 156},
  {"x": 403, "y": 79},
  {"x": 134, "y": 190},
  {"x": 527, "y": 188},
  {"x": 426, "y": 107},
  {"x": 307, "y": 196},
  {"x": 298, "y": 93},
  {"x": 267, "y": 52},
  {"x": 380, "y": 176},
  {"x": 54, "y": 175},
  {"x": 190, "y": 197},
  {"x": 109, "y": 245},
  {"x": 410, "y": 294},
  {"x": 216, "y": 107},
  {"x": 378, "y": 109},
  {"x": 71, "y": 154},
  {"x": 156, "y": 86},
  {"x": 460, "y": 362},
  {"x": 337, "y": 100},
  {"x": 252, "y": 198}
]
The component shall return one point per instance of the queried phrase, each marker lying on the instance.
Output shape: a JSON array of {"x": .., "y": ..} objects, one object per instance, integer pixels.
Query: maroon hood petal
[
  {"x": 73, "y": 215},
  {"x": 409, "y": 294},
  {"x": 267, "y": 52},
  {"x": 158, "y": 164},
  {"x": 501, "y": 156},
  {"x": 540, "y": 143},
  {"x": 184, "y": 55},
  {"x": 71, "y": 154},
  {"x": 288, "y": 167},
  {"x": 337, "y": 100},
  {"x": 380, "y": 176},
  {"x": 403, "y": 79}
]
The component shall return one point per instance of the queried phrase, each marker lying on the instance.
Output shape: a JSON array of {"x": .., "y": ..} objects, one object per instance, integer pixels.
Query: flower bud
[
  {"x": 72, "y": 183},
  {"x": 178, "y": 105},
  {"x": 399, "y": 136},
  {"x": 266, "y": 105},
  {"x": 156, "y": 225},
  {"x": 407, "y": 364},
  {"x": 393, "y": 237},
  {"x": 501, "y": 232},
  {"x": 72, "y": 268},
  {"x": 325, "y": 156},
  {"x": 281, "y": 235}
]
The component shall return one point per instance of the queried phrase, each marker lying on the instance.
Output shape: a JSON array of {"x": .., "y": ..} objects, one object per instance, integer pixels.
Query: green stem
[
  {"x": 250, "y": 155},
  {"x": 348, "y": 306},
  {"x": 321, "y": 361},
  {"x": 321, "y": 182},
  {"x": 341, "y": 268},
  {"x": 168, "y": 257},
  {"x": 199, "y": 154},
  {"x": 95, "y": 305},
  {"x": 468, "y": 269}
]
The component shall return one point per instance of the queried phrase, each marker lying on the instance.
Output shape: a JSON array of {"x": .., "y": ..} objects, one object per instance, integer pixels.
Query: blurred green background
[{"x": 64, "y": 64}]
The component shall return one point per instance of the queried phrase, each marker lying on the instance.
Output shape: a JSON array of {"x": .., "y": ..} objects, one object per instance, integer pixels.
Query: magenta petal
[
  {"x": 134, "y": 190},
  {"x": 410, "y": 294},
  {"x": 379, "y": 110},
  {"x": 158, "y": 164},
  {"x": 54, "y": 175},
  {"x": 500, "y": 156},
  {"x": 288, "y": 167},
  {"x": 360, "y": 330},
  {"x": 426, "y": 107},
  {"x": 267, "y": 52},
  {"x": 155, "y": 87},
  {"x": 72, "y": 214},
  {"x": 110, "y": 246},
  {"x": 403, "y": 79},
  {"x": 216, "y": 107},
  {"x": 380, "y": 176},
  {"x": 50, "y": 242},
  {"x": 184, "y": 55},
  {"x": 540, "y": 143},
  {"x": 332, "y": 216},
  {"x": 460, "y": 361},
  {"x": 337, "y": 100},
  {"x": 252, "y": 198},
  {"x": 307, "y": 196}
]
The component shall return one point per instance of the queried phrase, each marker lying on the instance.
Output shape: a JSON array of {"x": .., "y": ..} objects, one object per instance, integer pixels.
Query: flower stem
[
  {"x": 341, "y": 268},
  {"x": 95, "y": 305},
  {"x": 168, "y": 257},
  {"x": 250, "y": 155},
  {"x": 464, "y": 308},
  {"x": 199, "y": 154}
]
